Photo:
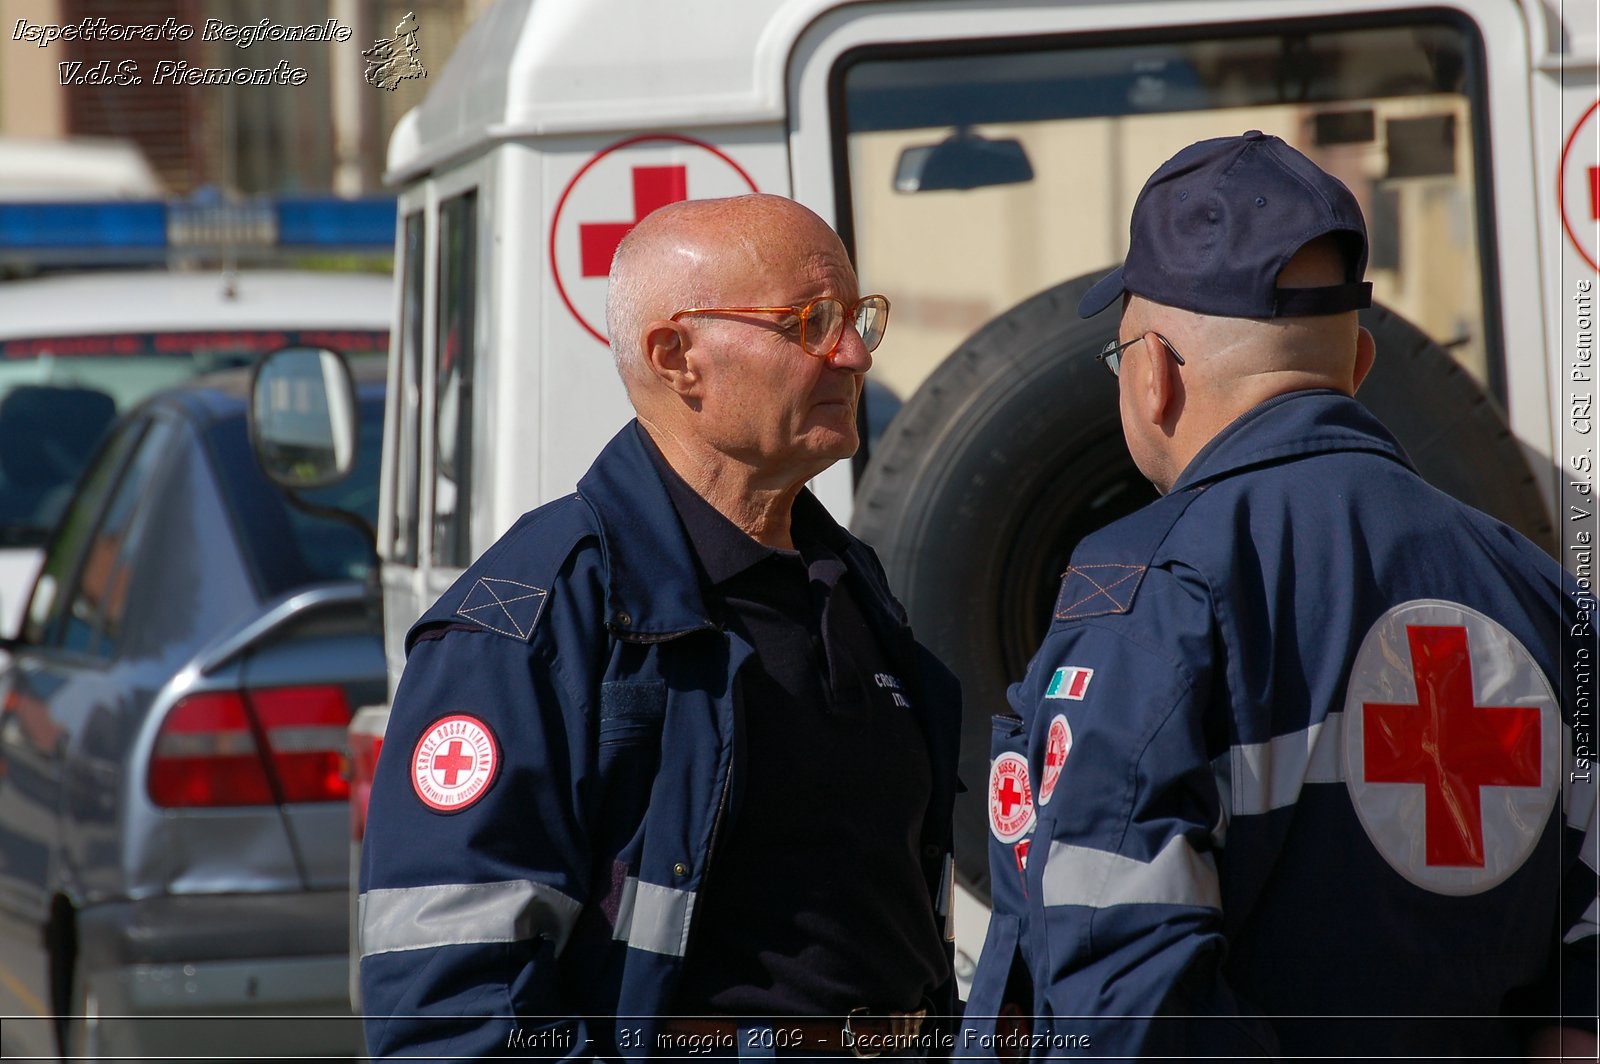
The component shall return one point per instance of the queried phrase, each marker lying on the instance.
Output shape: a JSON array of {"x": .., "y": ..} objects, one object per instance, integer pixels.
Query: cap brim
[{"x": 1105, "y": 292}]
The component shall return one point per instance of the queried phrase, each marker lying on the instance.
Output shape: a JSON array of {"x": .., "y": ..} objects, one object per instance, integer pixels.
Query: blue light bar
[
  {"x": 130, "y": 224},
  {"x": 337, "y": 222},
  {"x": 137, "y": 228}
]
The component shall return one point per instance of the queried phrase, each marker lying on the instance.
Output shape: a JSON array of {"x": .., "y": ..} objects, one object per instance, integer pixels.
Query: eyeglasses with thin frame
[
  {"x": 822, "y": 321},
  {"x": 1110, "y": 356}
]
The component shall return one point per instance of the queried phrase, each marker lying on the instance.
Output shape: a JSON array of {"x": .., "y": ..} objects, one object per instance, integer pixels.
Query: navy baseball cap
[{"x": 1214, "y": 226}]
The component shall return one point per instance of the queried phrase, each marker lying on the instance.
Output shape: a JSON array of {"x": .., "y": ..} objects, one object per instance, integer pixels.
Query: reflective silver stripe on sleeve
[
  {"x": 1257, "y": 778},
  {"x": 654, "y": 918},
  {"x": 1077, "y": 875},
  {"x": 456, "y": 914},
  {"x": 1588, "y": 924}
]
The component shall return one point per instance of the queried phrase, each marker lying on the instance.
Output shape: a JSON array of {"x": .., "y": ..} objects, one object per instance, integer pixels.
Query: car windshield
[{"x": 59, "y": 394}]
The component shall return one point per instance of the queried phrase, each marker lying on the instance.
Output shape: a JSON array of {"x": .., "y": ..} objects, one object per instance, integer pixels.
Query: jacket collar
[
  {"x": 653, "y": 584},
  {"x": 1293, "y": 425},
  {"x": 652, "y": 589}
]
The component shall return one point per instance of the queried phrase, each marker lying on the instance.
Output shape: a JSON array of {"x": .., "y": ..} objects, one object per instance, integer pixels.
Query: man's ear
[
  {"x": 1157, "y": 381},
  {"x": 1366, "y": 355},
  {"x": 666, "y": 356}
]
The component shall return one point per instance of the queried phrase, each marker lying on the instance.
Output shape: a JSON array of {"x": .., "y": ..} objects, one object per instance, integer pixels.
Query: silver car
[{"x": 173, "y": 794}]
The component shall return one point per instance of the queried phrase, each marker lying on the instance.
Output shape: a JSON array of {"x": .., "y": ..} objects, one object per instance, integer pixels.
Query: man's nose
[{"x": 851, "y": 354}]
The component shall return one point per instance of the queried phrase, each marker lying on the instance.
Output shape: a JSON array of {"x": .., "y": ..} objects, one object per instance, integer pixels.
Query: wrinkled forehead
[
  {"x": 781, "y": 261},
  {"x": 718, "y": 249}
]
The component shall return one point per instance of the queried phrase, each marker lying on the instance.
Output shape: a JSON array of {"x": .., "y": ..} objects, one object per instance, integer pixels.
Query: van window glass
[
  {"x": 404, "y": 404},
  {"x": 979, "y": 176},
  {"x": 452, "y": 435}
]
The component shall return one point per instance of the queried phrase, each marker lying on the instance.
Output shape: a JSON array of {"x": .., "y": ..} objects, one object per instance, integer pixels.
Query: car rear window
[
  {"x": 287, "y": 546},
  {"x": 58, "y": 395}
]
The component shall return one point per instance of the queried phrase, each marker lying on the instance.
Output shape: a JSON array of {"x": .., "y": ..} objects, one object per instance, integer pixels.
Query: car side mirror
[{"x": 303, "y": 417}]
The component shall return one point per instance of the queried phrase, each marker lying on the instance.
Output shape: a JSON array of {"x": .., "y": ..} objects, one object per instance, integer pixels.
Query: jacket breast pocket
[
  {"x": 631, "y": 715},
  {"x": 631, "y": 712}
]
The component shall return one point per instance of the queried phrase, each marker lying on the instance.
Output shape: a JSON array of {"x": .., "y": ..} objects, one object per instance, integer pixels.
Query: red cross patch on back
[{"x": 1451, "y": 746}]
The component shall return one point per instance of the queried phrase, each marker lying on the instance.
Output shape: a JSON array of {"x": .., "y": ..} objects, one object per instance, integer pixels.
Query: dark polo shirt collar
[{"x": 725, "y": 550}]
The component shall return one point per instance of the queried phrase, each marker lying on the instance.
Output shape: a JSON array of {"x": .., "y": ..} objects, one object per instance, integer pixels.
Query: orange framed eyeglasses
[{"x": 822, "y": 321}]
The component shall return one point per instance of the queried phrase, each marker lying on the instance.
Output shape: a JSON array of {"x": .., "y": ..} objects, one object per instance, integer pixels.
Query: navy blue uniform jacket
[{"x": 563, "y": 894}]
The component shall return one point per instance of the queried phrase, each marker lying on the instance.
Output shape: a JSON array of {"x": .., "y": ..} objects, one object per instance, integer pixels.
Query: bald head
[
  {"x": 1233, "y": 364},
  {"x": 686, "y": 255}
]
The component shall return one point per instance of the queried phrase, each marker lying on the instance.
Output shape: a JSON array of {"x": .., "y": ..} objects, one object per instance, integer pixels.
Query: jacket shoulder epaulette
[
  {"x": 505, "y": 591},
  {"x": 1109, "y": 565}
]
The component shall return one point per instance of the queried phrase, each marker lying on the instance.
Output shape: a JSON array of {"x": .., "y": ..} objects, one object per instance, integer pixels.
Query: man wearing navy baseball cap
[{"x": 1297, "y": 737}]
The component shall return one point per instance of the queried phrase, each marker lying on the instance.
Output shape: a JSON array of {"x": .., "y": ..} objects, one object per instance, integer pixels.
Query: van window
[
  {"x": 406, "y": 400},
  {"x": 979, "y": 175},
  {"x": 452, "y": 435}
]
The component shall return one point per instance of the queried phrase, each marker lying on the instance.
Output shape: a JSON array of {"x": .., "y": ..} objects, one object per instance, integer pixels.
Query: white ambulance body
[{"x": 980, "y": 160}]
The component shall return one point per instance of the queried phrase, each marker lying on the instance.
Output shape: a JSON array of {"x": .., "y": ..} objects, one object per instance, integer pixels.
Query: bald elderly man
[
  {"x": 666, "y": 771},
  {"x": 1298, "y": 735}
]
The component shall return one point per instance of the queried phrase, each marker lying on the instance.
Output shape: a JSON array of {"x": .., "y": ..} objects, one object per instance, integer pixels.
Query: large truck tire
[{"x": 1012, "y": 451}]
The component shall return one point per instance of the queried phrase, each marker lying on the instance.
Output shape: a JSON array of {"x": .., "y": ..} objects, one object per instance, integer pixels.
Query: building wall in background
[
  {"x": 329, "y": 134},
  {"x": 159, "y": 118},
  {"x": 31, "y": 103}
]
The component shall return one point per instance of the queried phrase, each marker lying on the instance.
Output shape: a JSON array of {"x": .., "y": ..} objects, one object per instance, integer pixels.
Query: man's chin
[
  {"x": 842, "y": 443},
  {"x": 824, "y": 448}
]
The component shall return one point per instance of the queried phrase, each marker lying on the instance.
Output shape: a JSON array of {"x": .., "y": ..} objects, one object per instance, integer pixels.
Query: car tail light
[
  {"x": 223, "y": 748},
  {"x": 206, "y": 754},
  {"x": 365, "y": 745}
]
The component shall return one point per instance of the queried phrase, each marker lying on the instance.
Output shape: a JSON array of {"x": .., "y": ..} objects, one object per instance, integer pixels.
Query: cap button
[{"x": 1254, "y": 134}]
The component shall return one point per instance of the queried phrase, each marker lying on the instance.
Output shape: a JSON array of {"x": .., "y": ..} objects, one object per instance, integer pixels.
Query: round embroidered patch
[
  {"x": 1452, "y": 746},
  {"x": 1057, "y": 743},
  {"x": 454, "y": 763},
  {"x": 1010, "y": 798}
]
